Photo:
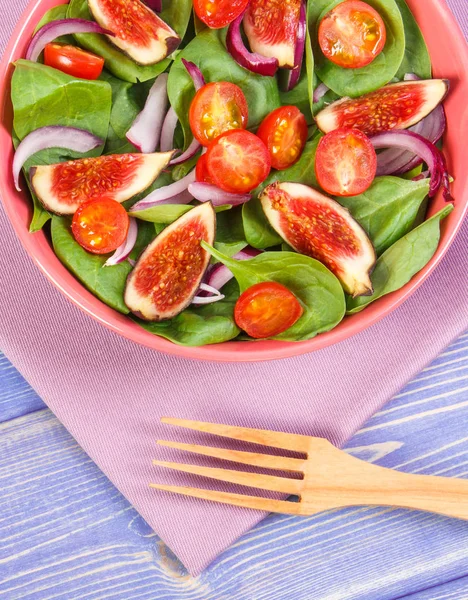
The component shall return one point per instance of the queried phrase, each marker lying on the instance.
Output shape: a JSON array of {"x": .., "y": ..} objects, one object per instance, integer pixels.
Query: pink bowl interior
[{"x": 449, "y": 56}]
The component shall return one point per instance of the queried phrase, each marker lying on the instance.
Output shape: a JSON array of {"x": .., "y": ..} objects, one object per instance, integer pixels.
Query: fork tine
[
  {"x": 280, "y": 463},
  {"x": 262, "y": 482},
  {"x": 255, "y": 502},
  {"x": 274, "y": 439}
]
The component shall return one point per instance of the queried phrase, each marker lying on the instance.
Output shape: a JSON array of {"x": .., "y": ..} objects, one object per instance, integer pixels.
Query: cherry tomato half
[
  {"x": 345, "y": 162},
  {"x": 73, "y": 61},
  {"x": 100, "y": 226},
  {"x": 238, "y": 161},
  {"x": 219, "y": 13},
  {"x": 201, "y": 171},
  {"x": 267, "y": 309},
  {"x": 284, "y": 133},
  {"x": 216, "y": 108},
  {"x": 352, "y": 34}
]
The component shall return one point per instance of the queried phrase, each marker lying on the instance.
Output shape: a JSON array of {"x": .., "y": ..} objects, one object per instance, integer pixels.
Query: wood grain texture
[{"x": 66, "y": 533}]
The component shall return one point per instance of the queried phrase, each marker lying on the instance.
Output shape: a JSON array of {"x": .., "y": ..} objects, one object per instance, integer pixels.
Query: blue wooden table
[{"x": 66, "y": 533}]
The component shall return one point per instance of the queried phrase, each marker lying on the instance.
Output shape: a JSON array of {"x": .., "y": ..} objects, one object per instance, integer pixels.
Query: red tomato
[
  {"x": 346, "y": 162},
  {"x": 201, "y": 171},
  {"x": 267, "y": 309},
  {"x": 73, "y": 61},
  {"x": 352, "y": 34},
  {"x": 238, "y": 161},
  {"x": 284, "y": 133},
  {"x": 216, "y": 108},
  {"x": 100, "y": 226},
  {"x": 219, "y": 13}
]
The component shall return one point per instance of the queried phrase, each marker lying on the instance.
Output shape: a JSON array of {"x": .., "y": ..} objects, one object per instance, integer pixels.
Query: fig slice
[
  {"x": 394, "y": 106},
  {"x": 168, "y": 274},
  {"x": 137, "y": 30},
  {"x": 63, "y": 187},
  {"x": 320, "y": 227},
  {"x": 271, "y": 27}
]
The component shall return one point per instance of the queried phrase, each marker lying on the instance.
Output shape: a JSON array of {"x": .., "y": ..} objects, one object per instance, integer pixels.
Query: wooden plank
[
  {"x": 66, "y": 533},
  {"x": 452, "y": 590},
  {"x": 17, "y": 397}
]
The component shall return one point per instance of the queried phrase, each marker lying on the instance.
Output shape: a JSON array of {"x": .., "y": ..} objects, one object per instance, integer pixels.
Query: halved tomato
[
  {"x": 100, "y": 226},
  {"x": 284, "y": 133},
  {"x": 352, "y": 34},
  {"x": 216, "y": 108},
  {"x": 201, "y": 171},
  {"x": 219, "y": 13},
  {"x": 267, "y": 309},
  {"x": 345, "y": 162},
  {"x": 238, "y": 161},
  {"x": 73, "y": 61}
]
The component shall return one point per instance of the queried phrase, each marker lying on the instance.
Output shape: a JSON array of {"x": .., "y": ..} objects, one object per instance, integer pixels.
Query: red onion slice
[
  {"x": 207, "y": 299},
  {"x": 155, "y": 5},
  {"x": 295, "y": 73},
  {"x": 249, "y": 60},
  {"x": 167, "y": 131},
  {"x": 219, "y": 274},
  {"x": 175, "y": 193},
  {"x": 410, "y": 77},
  {"x": 195, "y": 74},
  {"x": 55, "y": 29},
  {"x": 319, "y": 92},
  {"x": 205, "y": 192},
  {"x": 425, "y": 150},
  {"x": 145, "y": 131},
  {"x": 53, "y": 136},
  {"x": 188, "y": 154},
  {"x": 123, "y": 251}
]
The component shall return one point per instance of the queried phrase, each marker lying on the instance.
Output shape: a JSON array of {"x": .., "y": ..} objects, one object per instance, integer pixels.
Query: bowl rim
[{"x": 231, "y": 351}]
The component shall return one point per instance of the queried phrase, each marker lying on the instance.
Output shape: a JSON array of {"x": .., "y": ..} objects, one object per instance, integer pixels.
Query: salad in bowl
[{"x": 233, "y": 170}]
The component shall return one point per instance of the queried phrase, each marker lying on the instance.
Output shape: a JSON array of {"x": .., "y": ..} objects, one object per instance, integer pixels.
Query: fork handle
[{"x": 381, "y": 486}]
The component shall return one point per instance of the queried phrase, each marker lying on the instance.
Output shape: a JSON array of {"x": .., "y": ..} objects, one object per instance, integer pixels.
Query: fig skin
[
  {"x": 318, "y": 226},
  {"x": 43, "y": 180},
  {"x": 155, "y": 287},
  {"x": 163, "y": 42},
  {"x": 381, "y": 110}
]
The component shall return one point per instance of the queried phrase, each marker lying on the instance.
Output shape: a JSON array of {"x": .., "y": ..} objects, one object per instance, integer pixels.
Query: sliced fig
[
  {"x": 138, "y": 31},
  {"x": 169, "y": 272},
  {"x": 320, "y": 227},
  {"x": 271, "y": 27},
  {"x": 64, "y": 186},
  {"x": 394, "y": 106}
]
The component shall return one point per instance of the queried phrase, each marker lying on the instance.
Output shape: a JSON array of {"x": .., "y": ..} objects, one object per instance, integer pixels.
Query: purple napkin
[{"x": 110, "y": 393}]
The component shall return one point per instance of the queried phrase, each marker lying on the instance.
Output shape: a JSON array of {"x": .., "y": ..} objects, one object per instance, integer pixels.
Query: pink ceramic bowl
[{"x": 449, "y": 55}]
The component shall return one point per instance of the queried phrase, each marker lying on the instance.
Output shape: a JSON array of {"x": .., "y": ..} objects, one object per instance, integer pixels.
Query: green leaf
[
  {"x": 317, "y": 289},
  {"x": 55, "y": 14},
  {"x": 162, "y": 213},
  {"x": 230, "y": 237},
  {"x": 310, "y": 63},
  {"x": 209, "y": 53},
  {"x": 54, "y": 98},
  {"x": 176, "y": 13},
  {"x": 299, "y": 96},
  {"x": 356, "y": 82},
  {"x": 200, "y": 325},
  {"x": 388, "y": 209},
  {"x": 416, "y": 59},
  {"x": 258, "y": 231},
  {"x": 403, "y": 260},
  {"x": 107, "y": 283}
]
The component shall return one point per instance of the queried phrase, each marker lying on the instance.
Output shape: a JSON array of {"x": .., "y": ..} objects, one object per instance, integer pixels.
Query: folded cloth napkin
[{"x": 110, "y": 393}]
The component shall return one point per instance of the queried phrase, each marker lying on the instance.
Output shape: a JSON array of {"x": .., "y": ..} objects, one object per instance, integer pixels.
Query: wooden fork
[{"x": 331, "y": 478}]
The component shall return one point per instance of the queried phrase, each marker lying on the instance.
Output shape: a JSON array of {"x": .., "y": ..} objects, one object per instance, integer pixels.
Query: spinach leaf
[
  {"x": 201, "y": 325},
  {"x": 164, "y": 214},
  {"x": 309, "y": 62},
  {"x": 355, "y": 82},
  {"x": 54, "y": 98},
  {"x": 403, "y": 260},
  {"x": 54, "y": 14},
  {"x": 388, "y": 209},
  {"x": 317, "y": 289},
  {"x": 175, "y": 12},
  {"x": 230, "y": 237},
  {"x": 107, "y": 283},
  {"x": 299, "y": 96},
  {"x": 258, "y": 231},
  {"x": 416, "y": 59},
  {"x": 209, "y": 53}
]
